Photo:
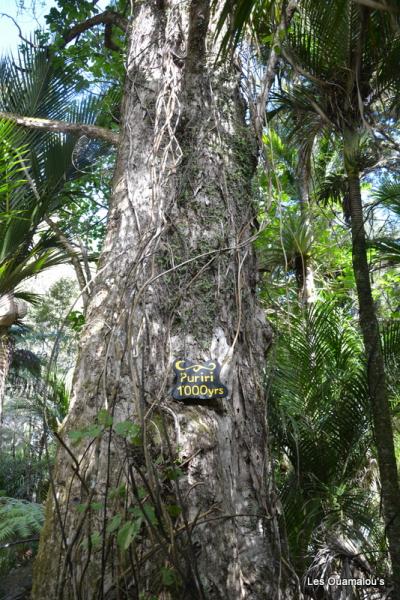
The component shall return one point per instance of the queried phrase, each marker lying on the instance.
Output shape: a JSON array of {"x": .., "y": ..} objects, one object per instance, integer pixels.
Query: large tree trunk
[
  {"x": 378, "y": 393},
  {"x": 176, "y": 280}
]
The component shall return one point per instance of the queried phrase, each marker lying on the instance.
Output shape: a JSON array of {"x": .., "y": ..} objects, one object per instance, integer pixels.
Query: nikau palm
[
  {"x": 19, "y": 257},
  {"x": 292, "y": 249},
  {"x": 320, "y": 420},
  {"x": 32, "y": 84},
  {"x": 34, "y": 168},
  {"x": 343, "y": 59},
  {"x": 346, "y": 55}
]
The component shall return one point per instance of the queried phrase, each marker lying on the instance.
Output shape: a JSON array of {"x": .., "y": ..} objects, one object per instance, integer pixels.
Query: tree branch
[
  {"x": 70, "y": 250},
  {"x": 379, "y": 6},
  {"x": 27, "y": 541},
  {"x": 270, "y": 70},
  {"x": 108, "y": 17},
  {"x": 108, "y": 41},
  {"x": 91, "y": 131},
  {"x": 24, "y": 39}
]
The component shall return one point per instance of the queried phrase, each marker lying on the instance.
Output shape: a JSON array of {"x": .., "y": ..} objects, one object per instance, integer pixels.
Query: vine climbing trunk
[
  {"x": 151, "y": 496},
  {"x": 380, "y": 407}
]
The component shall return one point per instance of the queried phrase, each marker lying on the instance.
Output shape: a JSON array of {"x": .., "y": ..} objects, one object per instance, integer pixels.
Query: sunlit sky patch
[{"x": 29, "y": 18}]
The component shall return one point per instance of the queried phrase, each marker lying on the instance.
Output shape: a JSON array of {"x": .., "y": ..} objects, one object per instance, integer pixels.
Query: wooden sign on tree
[{"x": 199, "y": 381}]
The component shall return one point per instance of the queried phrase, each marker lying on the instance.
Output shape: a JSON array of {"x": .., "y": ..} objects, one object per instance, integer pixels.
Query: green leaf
[
  {"x": 145, "y": 509},
  {"x": 19, "y": 519},
  {"x": 76, "y": 320},
  {"x": 76, "y": 436},
  {"x": 118, "y": 492},
  {"x": 91, "y": 431},
  {"x": 282, "y": 35},
  {"x": 129, "y": 430},
  {"x": 173, "y": 473},
  {"x": 174, "y": 510},
  {"x": 93, "y": 506},
  {"x": 94, "y": 541},
  {"x": 267, "y": 39},
  {"x": 128, "y": 533},
  {"x": 168, "y": 576},
  {"x": 104, "y": 418},
  {"x": 114, "y": 524},
  {"x": 142, "y": 492},
  {"x": 149, "y": 511}
]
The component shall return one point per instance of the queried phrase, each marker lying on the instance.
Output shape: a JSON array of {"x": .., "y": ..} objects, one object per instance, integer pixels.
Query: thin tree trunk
[
  {"x": 5, "y": 355},
  {"x": 303, "y": 268},
  {"x": 176, "y": 280},
  {"x": 84, "y": 284},
  {"x": 268, "y": 78},
  {"x": 376, "y": 381}
]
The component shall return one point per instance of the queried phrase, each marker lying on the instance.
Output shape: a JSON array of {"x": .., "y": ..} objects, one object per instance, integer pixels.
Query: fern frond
[{"x": 19, "y": 519}]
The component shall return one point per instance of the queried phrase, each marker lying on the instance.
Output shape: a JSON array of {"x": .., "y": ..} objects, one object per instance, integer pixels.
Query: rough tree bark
[
  {"x": 380, "y": 407},
  {"x": 177, "y": 278}
]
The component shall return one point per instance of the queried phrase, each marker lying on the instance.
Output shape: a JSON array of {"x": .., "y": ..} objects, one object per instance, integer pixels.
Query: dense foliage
[{"x": 332, "y": 116}]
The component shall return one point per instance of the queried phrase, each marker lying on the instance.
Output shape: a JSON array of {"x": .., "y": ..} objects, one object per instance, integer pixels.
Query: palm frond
[
  {"x": 293, "y": 239},
  {"x": 237, "y": 15},
  {"x": 36, "y": 166},
  {"x": 319, "y": 415},
  {"x": 14, "y": 269},
  {"x": 388, "y": 194},
  {"x": 389, "y": 249},
  {"x": 390, "y": 337}
]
